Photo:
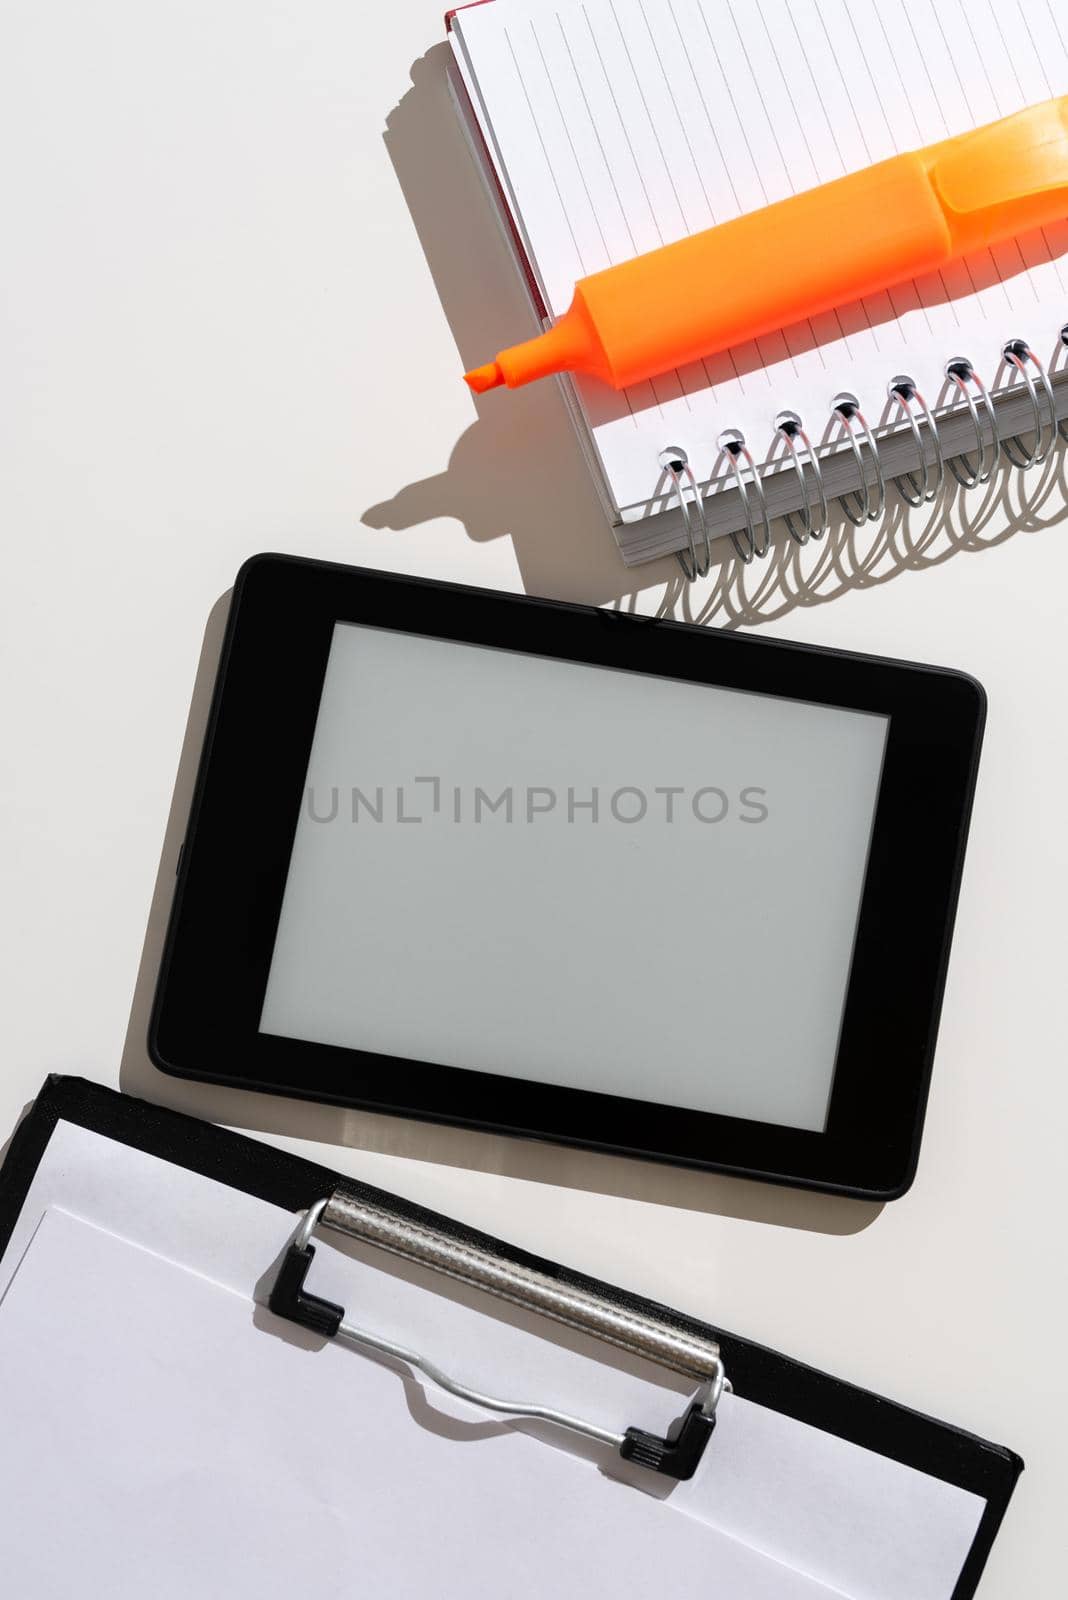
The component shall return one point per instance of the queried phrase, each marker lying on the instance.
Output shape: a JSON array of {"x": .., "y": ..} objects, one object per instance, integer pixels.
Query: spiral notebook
[
  {"x": 610, "y": 127},
  {"x": 187, "y": 1414}
]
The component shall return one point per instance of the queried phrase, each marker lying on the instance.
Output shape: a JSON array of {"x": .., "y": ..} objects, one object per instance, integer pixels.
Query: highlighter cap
[{"x": 1004, "y": 179}]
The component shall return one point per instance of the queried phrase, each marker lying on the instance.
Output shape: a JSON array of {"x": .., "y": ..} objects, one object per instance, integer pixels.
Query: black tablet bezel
[{"x": 249, "y": 790}]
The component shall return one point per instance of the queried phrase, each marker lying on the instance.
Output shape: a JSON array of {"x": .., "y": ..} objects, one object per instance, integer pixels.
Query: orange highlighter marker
[{"x": 763, "y": 271}]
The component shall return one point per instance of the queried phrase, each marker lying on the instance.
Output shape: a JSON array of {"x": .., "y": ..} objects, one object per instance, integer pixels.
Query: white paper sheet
[
  {"x": 620, "y": 125},
  {"x": 160, "y": 1442},
  {"x": 866, "y": 1527}
]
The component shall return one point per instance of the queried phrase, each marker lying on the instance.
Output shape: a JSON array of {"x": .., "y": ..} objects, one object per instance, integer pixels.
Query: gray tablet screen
[{"x": 577, "y": 876}]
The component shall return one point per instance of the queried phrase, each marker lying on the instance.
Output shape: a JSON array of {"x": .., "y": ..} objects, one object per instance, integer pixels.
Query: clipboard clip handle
[
  {"x": 677, "y": 1455},
  {"x": 290, "y": 1299},
  {"x": 674, "y": 1458}
]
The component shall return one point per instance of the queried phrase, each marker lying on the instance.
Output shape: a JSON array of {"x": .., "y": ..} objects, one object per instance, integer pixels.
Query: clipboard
[{"x": 315, "y": 1204}]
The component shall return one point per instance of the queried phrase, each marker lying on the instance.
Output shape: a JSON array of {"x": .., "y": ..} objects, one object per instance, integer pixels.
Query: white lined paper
[{"x": 618, "y": 125}]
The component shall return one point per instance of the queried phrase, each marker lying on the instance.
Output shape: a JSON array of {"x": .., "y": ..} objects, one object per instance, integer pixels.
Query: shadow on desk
[
  {"x": 525, "y": 1159},
  {"x": 519, "y": 470}
]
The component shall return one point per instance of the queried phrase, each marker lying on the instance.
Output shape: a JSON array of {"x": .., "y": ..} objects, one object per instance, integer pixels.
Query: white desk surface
[{"x": 226, "y": 231}]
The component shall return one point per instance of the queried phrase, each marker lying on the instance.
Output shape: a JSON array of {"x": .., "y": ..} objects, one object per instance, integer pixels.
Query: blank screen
[{"x": 577, "y": 875}]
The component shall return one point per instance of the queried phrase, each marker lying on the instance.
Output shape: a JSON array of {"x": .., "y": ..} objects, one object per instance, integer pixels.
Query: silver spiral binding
[
  {"x": 789, "y": 429},
  {"x": 846, "y": 408},
  {"x": 732, "y": 445},
  {"x": 1018, "y": 354},
  {"x": 1062, "y": 427},
  {"x": 793, "y": 456},
  {"x": 960, "y": 372},
  {"x": 675, "y": 462},
  {"x": 918, "y": 492}
]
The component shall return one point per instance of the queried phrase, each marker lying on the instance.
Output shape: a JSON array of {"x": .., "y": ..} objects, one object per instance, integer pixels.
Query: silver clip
[
  {"x": 565, "y": 1302},
  {"x": 846, "y": 407}
]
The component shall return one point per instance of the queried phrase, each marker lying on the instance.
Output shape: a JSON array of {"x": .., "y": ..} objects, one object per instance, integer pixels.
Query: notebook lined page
[{"x": 616, "y": 126}]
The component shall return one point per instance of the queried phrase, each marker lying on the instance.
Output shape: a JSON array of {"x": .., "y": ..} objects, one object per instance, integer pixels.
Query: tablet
[{"x": 571, "y": 874}]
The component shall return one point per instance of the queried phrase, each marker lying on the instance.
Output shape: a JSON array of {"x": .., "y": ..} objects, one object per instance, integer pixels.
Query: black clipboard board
[{"x": 293, "y": 1184}]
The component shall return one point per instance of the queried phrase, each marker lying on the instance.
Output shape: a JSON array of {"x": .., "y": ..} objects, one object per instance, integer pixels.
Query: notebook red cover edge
[
  {"x": 470, "y": 6},
  {"x": 504, "y": 209}
]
